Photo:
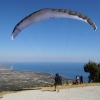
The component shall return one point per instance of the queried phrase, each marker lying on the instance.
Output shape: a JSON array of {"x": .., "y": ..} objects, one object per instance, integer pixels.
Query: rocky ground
[{"x": 80, "y": 93}]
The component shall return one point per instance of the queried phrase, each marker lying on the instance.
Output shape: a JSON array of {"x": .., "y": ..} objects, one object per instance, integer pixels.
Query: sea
[{"x": 65, "y": 69}]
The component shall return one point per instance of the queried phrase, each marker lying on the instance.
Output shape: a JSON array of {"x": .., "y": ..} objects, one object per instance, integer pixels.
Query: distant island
[{"x": 11, "y": 79}]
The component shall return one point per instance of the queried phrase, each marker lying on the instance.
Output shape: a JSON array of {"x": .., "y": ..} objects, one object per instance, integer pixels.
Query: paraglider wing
[{"x": 47, "y": 13}]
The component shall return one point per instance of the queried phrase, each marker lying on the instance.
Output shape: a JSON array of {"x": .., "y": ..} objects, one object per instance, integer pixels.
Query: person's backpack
[{"x": 58, "y": 79}]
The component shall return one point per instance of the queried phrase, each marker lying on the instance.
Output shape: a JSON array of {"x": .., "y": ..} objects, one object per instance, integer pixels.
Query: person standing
[
  {"x": 81, "y": 79},
  {"x": 57, "y": 81},
  {"x": 77, "y": 80}
]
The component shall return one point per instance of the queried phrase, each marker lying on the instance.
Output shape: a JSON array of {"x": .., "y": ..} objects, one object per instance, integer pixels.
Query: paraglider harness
[{"x": 58, "y": 79}]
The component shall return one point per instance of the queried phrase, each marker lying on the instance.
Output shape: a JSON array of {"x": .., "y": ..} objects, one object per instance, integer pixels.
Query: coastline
[
  {"x": 3, "y": 67},
  {"x": 26, "y": 93},
  {"x": 65, "y": 69},
  {"x": 16, "y": 79}
]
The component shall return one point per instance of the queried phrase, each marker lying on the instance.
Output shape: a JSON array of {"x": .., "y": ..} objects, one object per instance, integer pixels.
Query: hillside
[{"x": 14, "y": 79}]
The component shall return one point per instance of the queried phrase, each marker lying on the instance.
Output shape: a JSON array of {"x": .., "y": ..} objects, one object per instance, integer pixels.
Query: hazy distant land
[{"x": 11, "y": 79}]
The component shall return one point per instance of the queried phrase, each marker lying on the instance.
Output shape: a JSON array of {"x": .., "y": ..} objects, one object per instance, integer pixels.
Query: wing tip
[
  {"x": 12, "y": 38},
  {"x": 95, "y": 29}
]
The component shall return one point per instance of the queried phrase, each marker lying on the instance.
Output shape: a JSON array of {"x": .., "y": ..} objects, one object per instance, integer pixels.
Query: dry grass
[
  {"x": 2, "y": 93},
  {"x": 65, "y": 86}
]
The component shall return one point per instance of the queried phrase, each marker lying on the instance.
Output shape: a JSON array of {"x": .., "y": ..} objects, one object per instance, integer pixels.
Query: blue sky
[{"x": 50, "y": 40}]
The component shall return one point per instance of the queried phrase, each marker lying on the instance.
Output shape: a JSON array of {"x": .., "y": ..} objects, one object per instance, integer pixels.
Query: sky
[{"x": 61, "y": 40}]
